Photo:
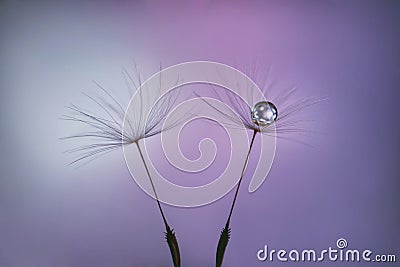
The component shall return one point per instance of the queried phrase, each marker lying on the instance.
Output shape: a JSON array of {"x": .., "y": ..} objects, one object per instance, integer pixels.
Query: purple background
[{"x": 345, "y": 185}]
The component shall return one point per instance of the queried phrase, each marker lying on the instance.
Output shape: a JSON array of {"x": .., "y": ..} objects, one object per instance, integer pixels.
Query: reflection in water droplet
[{"x": 264, "y": 113}]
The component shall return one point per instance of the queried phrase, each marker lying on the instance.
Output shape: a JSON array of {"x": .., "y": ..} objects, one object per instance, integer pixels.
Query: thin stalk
[
  {"x": 241, "y": 176},
  {"x": 152, "y": 184},
  {"x": 169, "y": 234},
  {"x": 226, "y": 231}
]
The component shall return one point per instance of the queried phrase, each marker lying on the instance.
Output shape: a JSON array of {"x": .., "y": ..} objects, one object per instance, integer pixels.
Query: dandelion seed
[
  {"x": 262, "y": 117},
  {"x": 106, "y": 133}
]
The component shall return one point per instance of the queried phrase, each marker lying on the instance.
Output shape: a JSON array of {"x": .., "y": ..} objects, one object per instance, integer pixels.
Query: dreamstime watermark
[
  {"x": 340, "y": 253},
  {"x": 177, "y": 76}
]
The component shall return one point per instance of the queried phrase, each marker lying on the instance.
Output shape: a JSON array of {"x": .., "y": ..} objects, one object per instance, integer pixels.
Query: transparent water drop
[{"x": 264, "y": 113}]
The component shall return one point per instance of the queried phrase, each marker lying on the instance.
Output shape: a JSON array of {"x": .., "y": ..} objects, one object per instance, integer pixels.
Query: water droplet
[{"x": 264, "y": 113}]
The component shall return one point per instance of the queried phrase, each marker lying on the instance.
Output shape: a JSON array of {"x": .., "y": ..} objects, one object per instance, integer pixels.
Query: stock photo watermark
[
  {"x": 339, "y": 253},
  {"x": 178, "y": 76}
]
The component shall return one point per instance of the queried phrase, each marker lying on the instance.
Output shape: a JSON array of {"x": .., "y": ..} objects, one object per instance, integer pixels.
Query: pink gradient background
[{"x": 344, "y": 186}]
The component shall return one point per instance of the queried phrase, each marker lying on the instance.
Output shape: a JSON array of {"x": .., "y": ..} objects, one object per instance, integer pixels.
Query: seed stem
[
  {"x": 226, "y": 231},
  {"x": 169, "y": 233},
  {"x": 152, "y": 184},
  {"x": 241, "y": 177}
]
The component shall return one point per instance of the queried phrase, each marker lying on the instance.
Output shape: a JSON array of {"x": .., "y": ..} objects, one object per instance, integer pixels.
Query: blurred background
[{"x": 342, "y": 184}]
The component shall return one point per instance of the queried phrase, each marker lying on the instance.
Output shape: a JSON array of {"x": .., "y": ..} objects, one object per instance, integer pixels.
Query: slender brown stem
[
  {"x": 152, "y": 184},
  {"x": 241, "y": 178},
  {"x": 169, "y": 233},
  {"x": 226, "y": 231}
]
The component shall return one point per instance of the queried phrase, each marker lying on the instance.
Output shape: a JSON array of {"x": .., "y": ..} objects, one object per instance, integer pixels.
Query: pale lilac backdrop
[{"x": 345, "y": 185}]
